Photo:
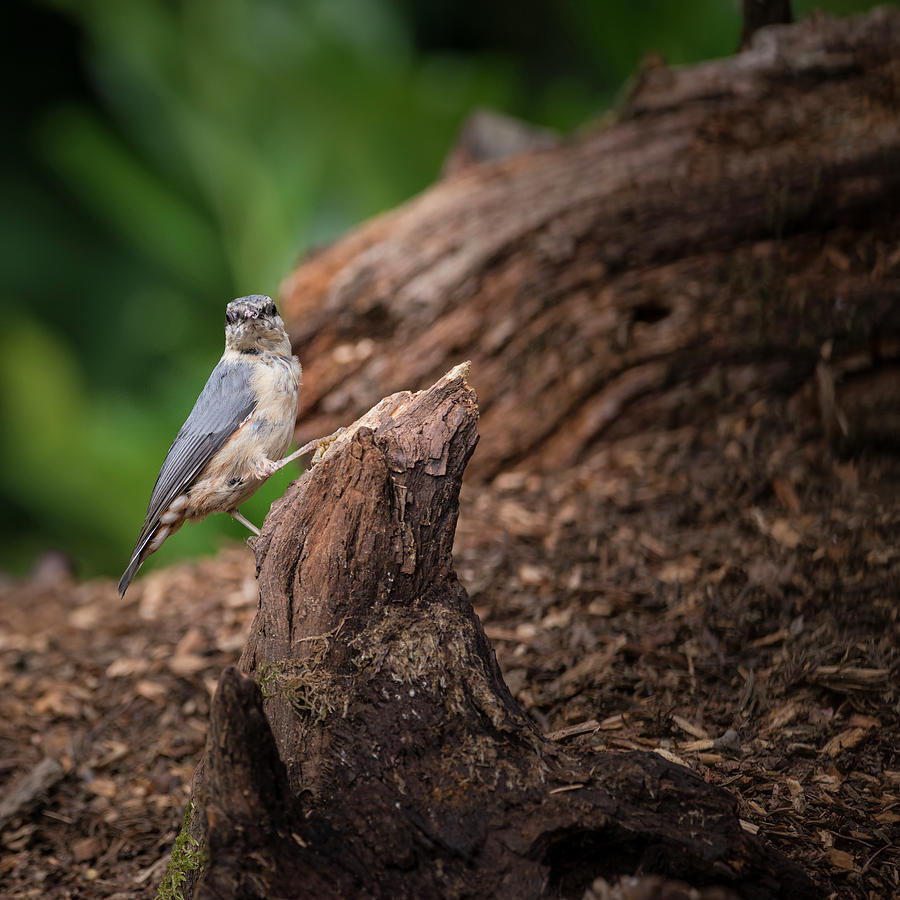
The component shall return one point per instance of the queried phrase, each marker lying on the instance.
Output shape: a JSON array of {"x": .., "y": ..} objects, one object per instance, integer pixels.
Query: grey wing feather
[{"x": 224, "y": 403}]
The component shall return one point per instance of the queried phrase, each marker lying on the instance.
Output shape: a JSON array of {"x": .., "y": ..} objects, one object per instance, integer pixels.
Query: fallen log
[
  {"x": 730, "y": 228},
  {"x": 369, "y": 747}
]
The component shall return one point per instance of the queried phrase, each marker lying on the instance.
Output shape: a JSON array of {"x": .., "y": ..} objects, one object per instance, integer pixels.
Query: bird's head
[{"x": 252, "y": 324}]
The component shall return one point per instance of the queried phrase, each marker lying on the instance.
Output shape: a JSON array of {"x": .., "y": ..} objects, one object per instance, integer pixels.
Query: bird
[{"x": 235, "y": 436}]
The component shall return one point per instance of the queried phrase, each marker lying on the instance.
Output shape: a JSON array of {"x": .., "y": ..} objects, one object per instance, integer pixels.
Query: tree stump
[{"x": 369, "y": 746}]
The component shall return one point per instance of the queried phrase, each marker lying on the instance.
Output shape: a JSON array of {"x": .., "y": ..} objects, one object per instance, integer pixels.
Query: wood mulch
[{"x": 724, "y": 594}]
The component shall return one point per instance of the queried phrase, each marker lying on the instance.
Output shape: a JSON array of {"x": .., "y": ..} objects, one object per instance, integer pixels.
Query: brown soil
[{"x": 724, "y": 594}]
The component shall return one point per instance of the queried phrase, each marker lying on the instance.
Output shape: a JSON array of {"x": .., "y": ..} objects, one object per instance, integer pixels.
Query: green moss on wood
[{"x": 187, "y": 856}]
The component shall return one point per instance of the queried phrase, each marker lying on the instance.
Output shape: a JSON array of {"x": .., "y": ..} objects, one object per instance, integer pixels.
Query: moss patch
[
  {"x": 187, "y": 857},
  {"x": 304, "y": 684}
]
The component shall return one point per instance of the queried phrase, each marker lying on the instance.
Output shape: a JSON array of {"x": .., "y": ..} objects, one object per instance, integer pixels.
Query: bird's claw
[{"x": 322, "y": 445}]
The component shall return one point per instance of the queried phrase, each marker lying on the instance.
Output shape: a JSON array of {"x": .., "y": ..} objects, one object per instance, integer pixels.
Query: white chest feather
[{"x": 275, "y": 382}]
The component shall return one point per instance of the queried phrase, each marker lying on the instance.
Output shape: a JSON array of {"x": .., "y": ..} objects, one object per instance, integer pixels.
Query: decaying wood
[
  {"x": 371, "y": 747},
  {"x": 669, "y": 263}
]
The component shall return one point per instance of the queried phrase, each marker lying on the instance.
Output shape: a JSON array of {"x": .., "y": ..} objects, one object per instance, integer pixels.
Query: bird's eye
[
  {"x": 230, "y": 317},
  {"x": 270, "y": 309}
]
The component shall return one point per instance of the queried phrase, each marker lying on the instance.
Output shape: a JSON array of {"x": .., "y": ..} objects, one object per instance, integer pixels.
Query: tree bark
[{"x": 375, "y": 750}]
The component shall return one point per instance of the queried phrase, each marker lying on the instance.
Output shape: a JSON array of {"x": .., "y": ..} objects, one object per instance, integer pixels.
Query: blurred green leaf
[{"x": 111, "y": 182}]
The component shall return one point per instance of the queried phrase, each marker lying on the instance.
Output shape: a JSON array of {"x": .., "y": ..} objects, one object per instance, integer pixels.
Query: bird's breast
[{"x": 275, "y": 382}]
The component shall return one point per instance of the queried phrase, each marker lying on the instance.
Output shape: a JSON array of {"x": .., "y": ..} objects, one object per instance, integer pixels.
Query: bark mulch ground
[{"x": 725, "y": 594}]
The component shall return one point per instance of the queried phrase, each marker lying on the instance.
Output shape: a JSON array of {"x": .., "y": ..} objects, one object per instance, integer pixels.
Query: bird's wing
[{"x": 224, "y": 403}]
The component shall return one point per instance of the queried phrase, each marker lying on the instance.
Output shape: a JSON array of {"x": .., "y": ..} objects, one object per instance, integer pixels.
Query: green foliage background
[{"x": 168, "y": 155}]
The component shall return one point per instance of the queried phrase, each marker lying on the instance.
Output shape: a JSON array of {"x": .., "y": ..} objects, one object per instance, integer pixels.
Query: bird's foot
[{"x": 322, "y": 445}]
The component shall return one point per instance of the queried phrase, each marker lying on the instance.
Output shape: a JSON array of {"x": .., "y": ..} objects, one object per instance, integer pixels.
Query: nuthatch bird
[{"x": 237, "y": 432}]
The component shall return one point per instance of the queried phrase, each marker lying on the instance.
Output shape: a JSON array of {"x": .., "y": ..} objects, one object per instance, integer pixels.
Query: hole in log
[
  {"x": 650, "y": 312},
  {"x": 575, "y": 858}
]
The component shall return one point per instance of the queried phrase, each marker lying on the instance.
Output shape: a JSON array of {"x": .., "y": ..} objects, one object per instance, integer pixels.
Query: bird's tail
[
  {"x": 130, "y": 572},
  {"x": 141, "y": 551}
]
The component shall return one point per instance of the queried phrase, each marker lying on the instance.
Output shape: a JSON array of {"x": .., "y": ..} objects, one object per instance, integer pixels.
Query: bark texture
[
  {"x": 664, "y": 264},
  {"x": 374, "y": 749}
]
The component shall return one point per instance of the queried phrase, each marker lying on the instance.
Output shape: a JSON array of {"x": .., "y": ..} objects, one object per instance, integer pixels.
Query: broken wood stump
[{"x": 369, "y": 747}]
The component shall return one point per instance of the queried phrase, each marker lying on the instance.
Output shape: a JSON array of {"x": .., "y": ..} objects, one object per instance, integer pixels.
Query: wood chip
[
  {"x": 557, "y": 618},
  {"x": 613, "y": 723},
  {"x": 601, "y": 606},
  {"x": 102, "y": 786},
  {"x": 624, "y": 743},
  {"x": 844, "y": 741},
  {"x": 756, "y": 808},
  {"x": 188, "y": 664},
  {"x": 693, "y": 730},
  {"x": 784, "y": 715},
  {"x": 785, "y": 533},
  {"x": 681, "y": 571},
  {"x": 495, "y": 633},
  {"x": 840, "y": 859},
  {"x": 850, "y": 678},
  {"x": 192, "y": 641},
  {"x": 749, "y": 827},
  {"x": 829, "y": 782},
  {"x": 656, "y": 547},
  {"x": 671, "y": 757},
  {"x": 786, "y": 495},
  {"x": 572, "y": 730},
  {"x": 710, "y": 759},
  {"x": 23, "y": 794},
  {"x": 794, "y": 787},
  {"x": 86, "y": 848},
  {"x": 150, "y": 690},
  {"x": 126, "y": 667},
  {"x": 858, "y": 720},
  {"x": 566, "y": 787},
  {"x": 776, "y": 637},
  {"x": 20, "y": 838},
  {"x": 887, "y": 817}
]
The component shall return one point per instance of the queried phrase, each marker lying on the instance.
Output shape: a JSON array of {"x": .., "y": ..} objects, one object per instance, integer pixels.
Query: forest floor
[{"x": 725, "y": 594}]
